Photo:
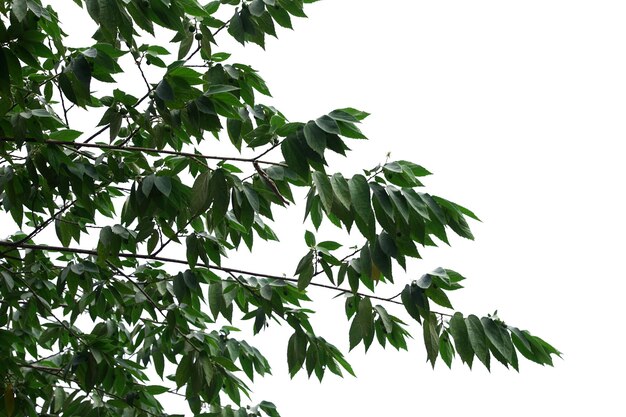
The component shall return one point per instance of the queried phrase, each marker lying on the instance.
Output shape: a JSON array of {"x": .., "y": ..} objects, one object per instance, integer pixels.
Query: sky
[{"x": 518, "y": 110}]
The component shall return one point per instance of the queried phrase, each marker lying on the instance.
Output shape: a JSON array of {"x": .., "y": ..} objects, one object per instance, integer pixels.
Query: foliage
[{"x": 94, "y": 319}]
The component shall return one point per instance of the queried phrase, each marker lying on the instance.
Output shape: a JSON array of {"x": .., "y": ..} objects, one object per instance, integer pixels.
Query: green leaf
[
  {"x": 280, "y": 16},
  {"x": 341, "y": 115},
  {"x": 252, "y": 197},
  {"x": 431, "y": 338},
  {"x": 200, "y": 201},
  {"x": 19, "y": 9},
  {"x": 360, "y": 198},
  {"x": 358, "y": 114},
  {"x": 438, "y": 296},
  {"x": 219, "y": 194},
  {"x": 460, "y": 209},
  {"x": 499, "y": 338},
  {"x": 478, "y": 339},
  {"x": 315, "y": 137},
  {"x": 408, "y": 298},
  {"x": 425, "y": 281},
  {"x": 295, "y": 156},
  {"x": 446, "y": 350},
  {"x": 363, "y": 323},
  {"x": 193, "y": 248},
  {"x": 381, "y": 260},
  {"x": 236, "y": 28},
  {"x": 365, "y": 267},
  {"x": 296, "y": 352},
  {"x": 216, "y": 298},
  {"x": 329, "y": 245},
  {"x": 256, "y": 8},
  {"x": 65, "y": 135},
  {"x": 9, "y": 399},
  {"x": 164, "y": 90},
  {"x": 459, "y": 332},
  {"x": 324, "y": 189},
  {"x": 309, "y": 238},
  {"x": 183, "y": 371},
  {"x": 147, "y": 184},
  {"x": 341, "y": 189},
  {"x": 384, "y": 316},
  {"x": 305, "y": 270},
  {"x": 5, "y": 81},
  {"x": 349, "y": 130},
  {"x": 328, "y": 124},
  {"x": 107, "y": 15},
  {"x": 156, "y": 389}
]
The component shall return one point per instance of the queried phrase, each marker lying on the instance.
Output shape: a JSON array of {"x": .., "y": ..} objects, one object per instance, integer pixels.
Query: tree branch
[
  {"x": 148, "y": 150},
  {"x": 153, "y": 303},
  {"x": 215, "y": 267},
  {"x": 56, "y": 372},
  {"x": 42, "y": 226}
]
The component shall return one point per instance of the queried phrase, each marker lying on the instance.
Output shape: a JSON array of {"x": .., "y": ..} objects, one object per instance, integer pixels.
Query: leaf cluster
[{"x": 139, "y": 276}]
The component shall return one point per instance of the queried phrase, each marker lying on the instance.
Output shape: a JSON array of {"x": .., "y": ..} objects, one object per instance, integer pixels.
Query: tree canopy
[{"x": 119, "y": 281}]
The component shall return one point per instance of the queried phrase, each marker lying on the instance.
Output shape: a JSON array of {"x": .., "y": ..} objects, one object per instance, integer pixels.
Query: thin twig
[
  {"x": 145, "y": 80},
  {"x": 65, "y": 110},
  {"x": 42, "y": 226},
  {"x": 261, "y": 155},
  {"x": 153, "y": 303},
  {"x": 47, "y": 307}
]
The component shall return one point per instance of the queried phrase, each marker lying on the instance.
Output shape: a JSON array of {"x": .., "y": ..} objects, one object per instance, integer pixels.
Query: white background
[{"x": 518, "y": 109}]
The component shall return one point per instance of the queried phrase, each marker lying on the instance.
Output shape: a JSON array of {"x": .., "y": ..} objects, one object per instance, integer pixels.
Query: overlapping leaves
[{"x": 82, "y": 320}]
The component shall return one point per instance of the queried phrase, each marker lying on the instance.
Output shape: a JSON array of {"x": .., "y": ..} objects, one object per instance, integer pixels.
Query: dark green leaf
[
  {"x": 478, "y": 339},
  {"x": 341, "y": 189},
  {"x": 499, "y": 338},
  {"x": 66, "y": 135},
  {"x": 327, "y": 124},
  {"x": 431, "y": 338},
  {"x": 363, "y": 323},
  {"x": 458, "y": 330},
  {"x": 295, "y": 156},
  {"x": 360, "y": 198},
  {"x": 164, "y": 90},
  {"x": 384, "y": 316},
  {"x": 446, "y": 350},
  {"x": 296, "y": 352},
  {"x": 200, "y": 193},
  {"x": 324, "y": 189},
  {"x": 315, "y": 137},
  {"x": 438, "y": 296}
]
